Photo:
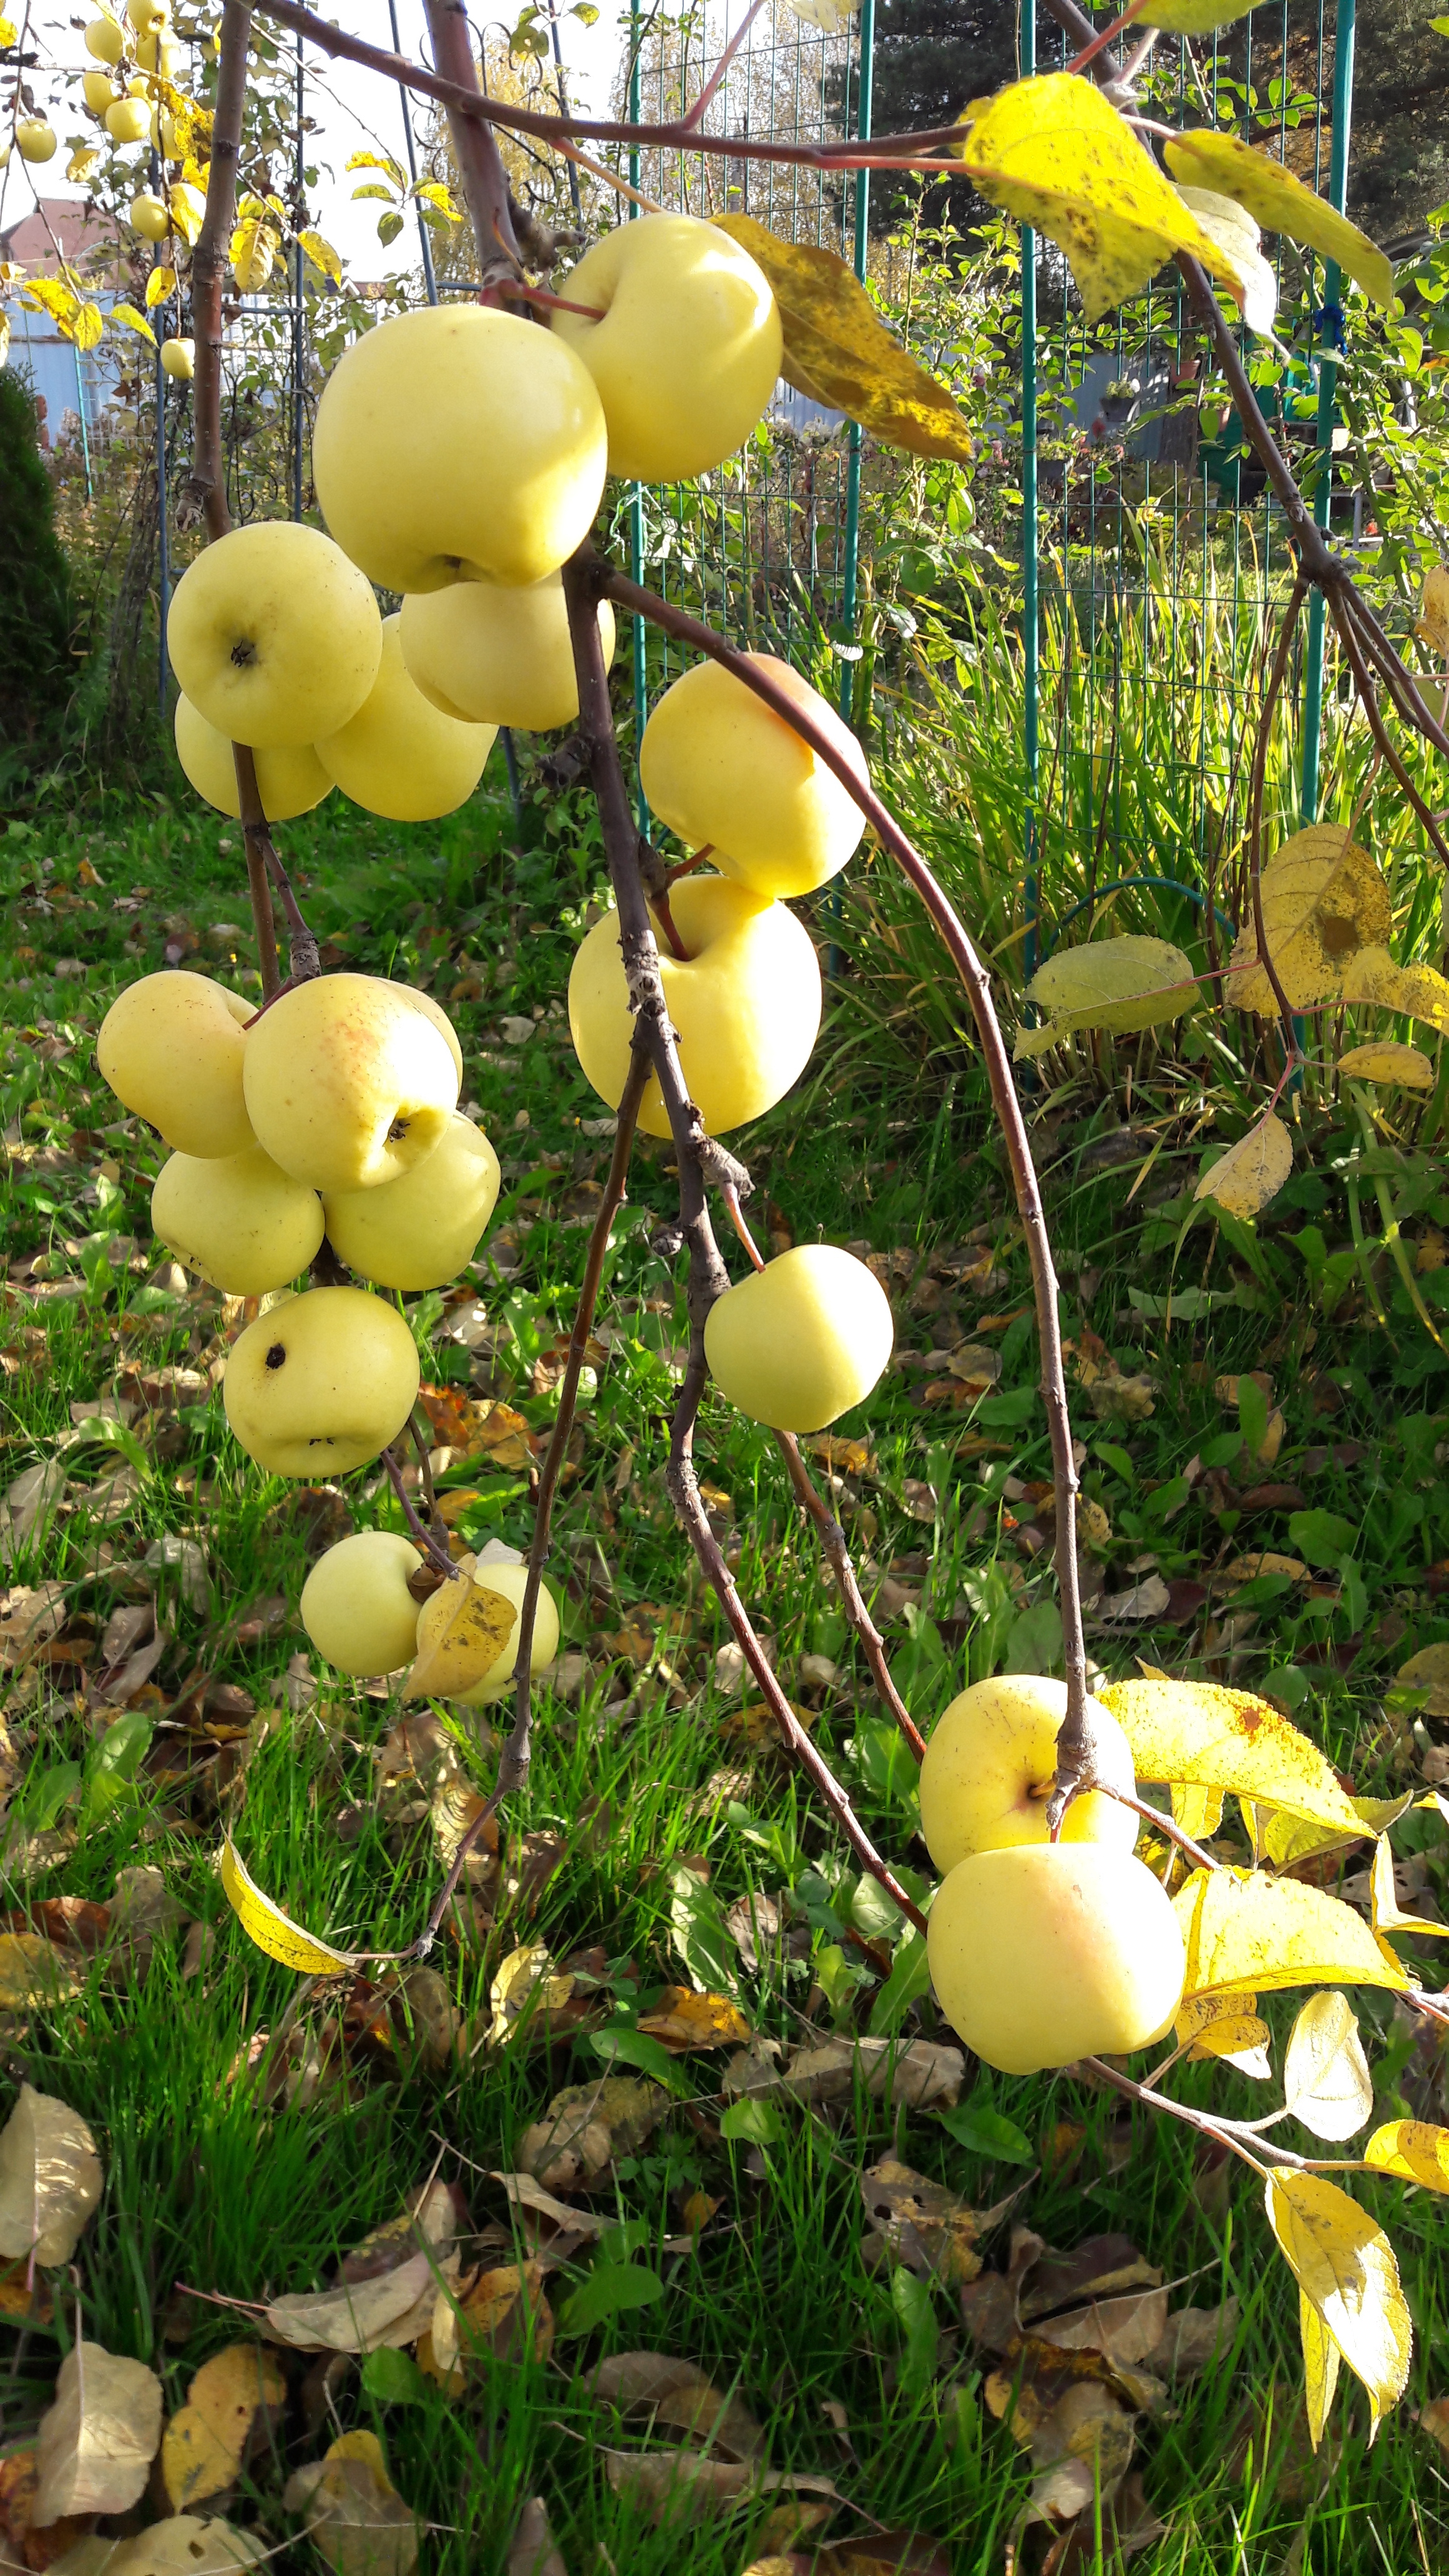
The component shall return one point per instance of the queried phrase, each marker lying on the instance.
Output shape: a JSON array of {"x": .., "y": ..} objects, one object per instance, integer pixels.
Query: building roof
[{"x": 74, "y": 222}]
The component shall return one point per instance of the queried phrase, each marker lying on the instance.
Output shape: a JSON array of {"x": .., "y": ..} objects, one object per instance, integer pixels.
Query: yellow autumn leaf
[
  {"x": 1428, "y": 1671},
  {"x": 1284, "y": 1838},
  {"x": 1056, "y": 154},
  {"x": 1233, "y": 228},
  {"x": 1433, "y": 623},
  {"x": 1386, "y": 1061},
  {"x": 1344, "y": 2265},
  {"x": 1227, "y": 2028},
  {"x": 1280, "y": 202},
  {"x": 1326, "y": 2081},
  {"x": 1196, "y": 17},
  {"x": 271, "y": 1929},
  {"x": 159, "y": 285},
  {"x": 1215, "y": 1738},
  {"x": 462, "y": 1630},
  {"x": 50, "y": 295},
  {"x": 838, "y": 350},
  {"x": 1413, "y": 2150},
  {"x": 254, "y": 246},
  {"x": 1385, "y": 1909},
  {"x": 1198, "y": 1810},
  {"x": 1250, "y": 1173},
  {"x": 84, "y": 160},
  {"x": 1420, "y": 992},
  {"x": 1119, "y": 984},
  {"x": 86, "y": 326},
  {"x": 1323, "y": 900},
  {"x": 133, "y": 321},
  {"x": 1320, "y": 2367},
  {"x": 188, "y": 210},
  {"x": 830, "y": 16},
  {"x": 1245, "y": 1933},
  {"x": 9, "y": 32},
  {"x": 322, "y": 256}
]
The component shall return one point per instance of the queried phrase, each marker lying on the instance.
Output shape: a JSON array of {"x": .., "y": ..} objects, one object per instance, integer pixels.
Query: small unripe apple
[
  {"x": 494, "y": 656},
  {"x": 456, "y": 442},
  {"x": 274, "y": 635},
  {"x": 289, "y": 782},
  {"x": 237, "y": 1220},
  {"x": 723, "y": 770},
  {"x": 990, "y": 1764},
  {"x": 35, "y": 140},
  {"x": 150, "y": 216},
  {"x": 128, "y": 120},
  {"x": 798, "y": 1343},
  {"x": 745, "y": 1002},
  {"x": 321, "y": 1383},
  {"x": 178, "y": 359},
  {"x": 171, "y": 1048},
  {"x": 356, "y": 1606},
  {"x": 104, "y": 41},
  {"x": 397, "y": 755},
  {"x": 347, "y": 1084},
  {"x": 688, "y": 350},
  {"x": 497, "y": 1574},
  {"x": 99, "y": 91},
  {"x": 1053, "y": 1951},
  {"x": 421, "y": 1230}
]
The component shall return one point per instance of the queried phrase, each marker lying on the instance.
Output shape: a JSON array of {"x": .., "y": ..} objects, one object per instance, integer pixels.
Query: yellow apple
[
  {"x": 99, "y": 91},
  {"x": 1048, "y": 1952},
  {"x": 435, "y": 1012},
  {"x": 104, "y": 41},
  {"x": 356, "y": 1606},
  {"x": 274, "y": 635},
  {"x": 688, "y": 352},
  {"x": 421, "y": 1230},
  {"x": 35, "y": 140},
  {"x": 163, "y": 134},
  {"x": 178, "y": 359},
  {"x": 156, "y": 53},
  {"x": 724, "y": 771},
  {"x": 500, "y": 1574},
  {"x": 398, "y": 756},
  {"x": 990, "y": 1764},
  {"x": 745, "y": 1001},
  {"x": 147, "y": 15},
  {"x": 347, "y": 1084},
  {"x": 172, "y": 1049},
  {"x": 289, "y": 782},
  {"x": 455, "y": 441},
  {"x": 237, "y": 1220},
  {"x": 320, "y": 1383},
  {"x": 128, "y": 120},
  {"x": 798, "y": 1343},
  {"x": 150, "y": 217},
  {"x": 494, "y": 656}
]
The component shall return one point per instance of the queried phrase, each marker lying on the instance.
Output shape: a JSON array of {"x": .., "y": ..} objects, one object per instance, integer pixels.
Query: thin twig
[
  {"x": 1338, "y": 610},
  {"x": 437, "y": 1555},
  {"x": 1291, "y": 1049}
]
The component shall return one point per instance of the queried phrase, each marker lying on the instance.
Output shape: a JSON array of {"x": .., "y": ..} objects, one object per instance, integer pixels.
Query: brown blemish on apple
[{"x": 276, "y": 1355}]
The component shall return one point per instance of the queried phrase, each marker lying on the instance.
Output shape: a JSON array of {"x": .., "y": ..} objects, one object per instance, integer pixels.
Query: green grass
[{"x": 213, "y": 2185}]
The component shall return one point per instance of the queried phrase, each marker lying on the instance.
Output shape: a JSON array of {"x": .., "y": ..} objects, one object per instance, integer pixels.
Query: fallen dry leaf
[
  {"x": 1127, "y": 2329},
  {"x": 586, "y": 2125},
  {"x": 207, "y": 2442},
  {"x": 526, "y": 2193},
  {"x": 927, "y": 2228},
  {"x": 389, "y": 2311},
  {"x": 504, "y": 2315},
  {"x": 353, "y": 2512},
  {"x": 684, "y": 2020},
  {"x": 665, "y": 2482},
  {"x": 1193, "y": 2338},
  {"x": 50, "y": 2178},
  {"x": 33, "y": 1971},
  {"x": 678, "y": 2394},
  {"x": 526, "y": 1982},
  {"x": 183, "y": 2545},
  {"x": 96, "y": 2443},
  {"x": 534, "y": 2552},
  {"x": 916, "y": 2077}
]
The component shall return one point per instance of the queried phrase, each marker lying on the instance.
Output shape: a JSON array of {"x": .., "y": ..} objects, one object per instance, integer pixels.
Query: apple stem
[
  {"x": 686, "y": 867},
  {"x": 731, "y": 1198},
  {"x": 547, "y": 302},
  {"x": 659, "y": 906}
]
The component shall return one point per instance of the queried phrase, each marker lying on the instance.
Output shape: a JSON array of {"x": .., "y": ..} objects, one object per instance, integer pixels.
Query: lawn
[{"x": 253, "y": 2130}]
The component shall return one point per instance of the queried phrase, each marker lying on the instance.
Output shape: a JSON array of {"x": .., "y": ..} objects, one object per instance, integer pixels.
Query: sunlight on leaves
[
  {"x": 1245, "y": 1933},
  {"x": 1250, "y": 1173},
  {"x": 1345, "y": 2267},
  {"x": 271, "y": 1929},
  {"x": 1326, "y": 2081},
  {"x": 1281, "y": 203},
  {"x": 1204, "y": 1733},
  {"x": 1323, "y": 900},
  {"x": 1385, "y": 1061}
]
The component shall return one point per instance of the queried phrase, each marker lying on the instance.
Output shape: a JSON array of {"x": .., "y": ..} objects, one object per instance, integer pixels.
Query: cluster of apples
[{"x": 1041, "y": 1952}]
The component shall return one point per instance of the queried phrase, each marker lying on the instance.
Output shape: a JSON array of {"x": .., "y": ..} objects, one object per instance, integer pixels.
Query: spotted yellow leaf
[
  {"x": 1119, "y": 984},
  {"x": 1420, "y": 992},
  {"x": 322, "y": 256},
  {"x": 1323, "y": 900},
  {"x": 1387, "y": 1913},
  {"x": 1344, "y": 2265},
  {"x": 159, "y": 285},
  {"x": 1230, "y": 1741},
  {"x": 1227, "y": 2027},
  {"x": 462, "y": 1630},
  {"x": 271, "y": 1929},
  {"x": 1249, "y": 1934},
  {"x": 1252, "y": 1172},
  {"x": 1281, "y": 203},
  {"x": 133, "y": 321},
  {"x": 1056, "y": 154},
  {"x": 1236, "y": 233},
  {"x": 1414, "y": 2150},
  {"x": 1386, "y": 1061}
]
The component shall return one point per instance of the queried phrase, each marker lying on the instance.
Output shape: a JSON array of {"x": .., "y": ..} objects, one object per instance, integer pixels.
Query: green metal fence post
[
  {"x": 636, "y": 492},
  {"x": 1030, "y": 533},
  {"x": 1330, "y": 337},
  {"x": 865, "y": 43}
]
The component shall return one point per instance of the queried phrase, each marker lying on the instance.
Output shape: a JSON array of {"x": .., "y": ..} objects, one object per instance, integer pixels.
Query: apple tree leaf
[
  {"x": 1386, "y": 1061},
  {"x": 1281, "y": 203},
  {"x": 1216, "y": 1738},
  {"x": 1250, "y": 1173},
  {"x": 1249, "y": 1934},
  {"x": 271, "y": 1929},
  {"x": 1326, "y": 2081},
  {"x": 1344, "y": 2265}
]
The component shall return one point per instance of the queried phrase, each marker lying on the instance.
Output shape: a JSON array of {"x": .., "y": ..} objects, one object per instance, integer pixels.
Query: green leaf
[
  {"x": 105, "y": 1434},
  {"x": 909, "y": 1979},
  {"x": 394, "y": 2379},
  {"x": 984, "y": 2132},
  {"x": 1007, "y": 1412},
  {"x": 610, "y": 2291},
  {"x": 388, "y": 228},
  {"x": 1252, "y": 1412},
  {"x": 45, "y": 1793},
  {"x": 111, "y": 1770},
  {"x": 1196, "y": 17},
  {"x": 624, "y": 2047},
  {"x": 916, "y": 2316},
  {"x": 751, "y": 2123},
  {"x": 1322, "y": 1537},
  {"x": 701, "y": 1936}
]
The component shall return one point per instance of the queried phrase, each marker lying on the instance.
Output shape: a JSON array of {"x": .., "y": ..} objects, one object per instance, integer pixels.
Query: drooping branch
[
  {"x": 204, "y": 495},
  {"x": 1075, "y": 1754},
  {"x": 485, "y": 181}
]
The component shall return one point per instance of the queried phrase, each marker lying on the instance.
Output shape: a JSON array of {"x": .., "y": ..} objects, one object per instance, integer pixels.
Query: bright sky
[{"x": 356, "y": 112}]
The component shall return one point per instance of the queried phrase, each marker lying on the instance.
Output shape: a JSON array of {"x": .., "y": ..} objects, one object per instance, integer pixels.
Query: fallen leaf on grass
[
  {"x": 930, "y": 2230},
  {"x": 504, "y": 2315},
  {"x": 206, "y": 2444},
  {"x": 683, "y": 2020},
  {"x": 526, "y": 1982},
  {"x": 96, "y": 2443},
  {"x": 534, "y": 2552},
  {"x": 1194, "y": 2338},
  {"x": 33, "y": 1971},
  {"x": 50, "y": 2178},
  {"x": 1428, "y": 1671},
  {"x": 30, "y": 1615},
  {"x": 183, "y": 2545},
  {"x": 586, "y": 2126},
  {"x": 916, "y": 2077},
  {"x": 1128, "y": 2330},
  {"x": 679, "y": 2394},
  {"x": 526, "y": 2193},
  {"x": 360, "y": 2316},
  {"x": 354, "y": 2514},
  {"x": 664, "y": 2482}
]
